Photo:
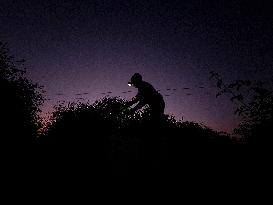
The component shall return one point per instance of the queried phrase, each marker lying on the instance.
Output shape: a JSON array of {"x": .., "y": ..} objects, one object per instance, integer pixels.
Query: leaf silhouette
[
  {"x": 219, "y": 83},
  {"x": 238, "y": 97}
]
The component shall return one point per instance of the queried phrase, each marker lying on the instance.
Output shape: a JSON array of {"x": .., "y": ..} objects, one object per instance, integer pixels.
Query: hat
[{"x": 136, "y": 78}]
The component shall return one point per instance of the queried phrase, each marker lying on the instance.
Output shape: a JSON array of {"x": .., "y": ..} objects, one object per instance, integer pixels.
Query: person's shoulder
[{"x": 147, "y": 87}]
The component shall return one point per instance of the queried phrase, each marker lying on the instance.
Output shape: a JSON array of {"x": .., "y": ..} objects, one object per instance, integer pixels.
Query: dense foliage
[
  {"x": 107, "y": 131},
  {"x": 20, "y": 101}
]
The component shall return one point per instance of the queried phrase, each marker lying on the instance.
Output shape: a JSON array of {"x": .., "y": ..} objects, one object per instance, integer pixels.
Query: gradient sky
[{"x": 84, "y": 49}]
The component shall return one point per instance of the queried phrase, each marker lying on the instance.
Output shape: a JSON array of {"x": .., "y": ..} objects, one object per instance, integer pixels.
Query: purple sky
[{"x": 94, "y": 47}]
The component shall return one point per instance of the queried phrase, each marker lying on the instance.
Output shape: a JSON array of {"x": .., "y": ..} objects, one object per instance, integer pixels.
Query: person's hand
[
  {"x": 127, "y": 110},
  {"x": 131, "y": 111},
  {"x": 128, "y": 104}
]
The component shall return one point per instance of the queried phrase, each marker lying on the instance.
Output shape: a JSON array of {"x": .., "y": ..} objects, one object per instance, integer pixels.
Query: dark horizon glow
[{"x": 93, "y": 47}]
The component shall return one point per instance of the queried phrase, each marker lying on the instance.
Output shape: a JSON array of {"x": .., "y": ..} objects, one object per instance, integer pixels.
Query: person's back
[{"x": 151, "y": 97}]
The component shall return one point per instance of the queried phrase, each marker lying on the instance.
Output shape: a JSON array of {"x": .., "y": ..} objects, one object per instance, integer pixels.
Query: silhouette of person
[{"x": 147, "y": 95}]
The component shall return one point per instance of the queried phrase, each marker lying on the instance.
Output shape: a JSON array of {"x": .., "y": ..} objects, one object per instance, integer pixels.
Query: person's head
[{"x": 136, "y": 79}]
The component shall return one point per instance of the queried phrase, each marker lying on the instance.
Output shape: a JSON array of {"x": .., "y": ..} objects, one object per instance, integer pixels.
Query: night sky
[{"x": 84, "y": 50}]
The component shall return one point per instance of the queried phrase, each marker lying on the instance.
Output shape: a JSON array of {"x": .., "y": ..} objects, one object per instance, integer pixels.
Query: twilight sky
[{"x": 89, "y": 49}]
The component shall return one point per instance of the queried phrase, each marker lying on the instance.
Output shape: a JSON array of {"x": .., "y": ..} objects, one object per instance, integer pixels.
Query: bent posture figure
[{"x": 147, "y": 95}]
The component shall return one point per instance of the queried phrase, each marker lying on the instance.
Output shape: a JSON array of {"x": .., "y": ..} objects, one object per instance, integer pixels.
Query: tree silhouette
[
  {"x": 20, "y": 101},
  {"x": 255, "y": 107}
]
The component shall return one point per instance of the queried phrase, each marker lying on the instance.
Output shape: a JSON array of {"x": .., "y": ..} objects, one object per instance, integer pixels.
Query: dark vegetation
[
  {"x": 105, "y": 138},
  {"x": 19, "y": 104},
  {"x": 107, "y": 132},
  {"x": 254, "y": 100}
]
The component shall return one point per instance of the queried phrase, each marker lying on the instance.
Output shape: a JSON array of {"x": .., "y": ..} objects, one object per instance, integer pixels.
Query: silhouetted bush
[
  {"x": 19, "y": 104},
  {"x": 254, "y": 105},
  {"x": 107, "y": 131}
]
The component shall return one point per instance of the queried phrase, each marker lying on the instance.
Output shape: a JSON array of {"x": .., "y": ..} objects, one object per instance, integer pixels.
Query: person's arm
[
  {"x": 138, "y": 106},
  {"x": 134, "y": 100},
  {"x": 130, "y": 103}
]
